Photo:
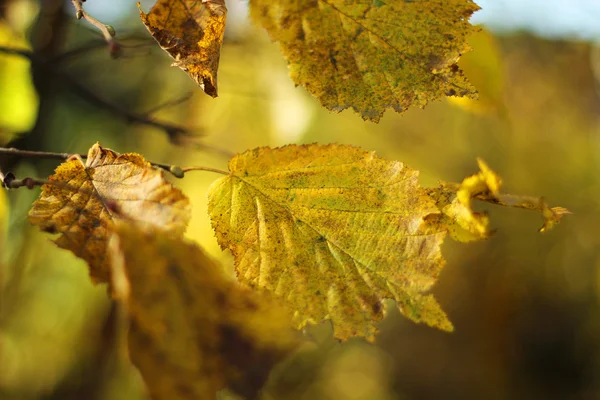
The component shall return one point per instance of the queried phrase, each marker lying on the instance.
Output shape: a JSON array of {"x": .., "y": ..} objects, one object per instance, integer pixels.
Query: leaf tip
[{"x": 552, "y": 216}]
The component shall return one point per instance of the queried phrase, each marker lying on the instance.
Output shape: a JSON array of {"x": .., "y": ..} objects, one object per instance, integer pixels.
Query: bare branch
[
  {"x": 174, "y": 170},
  {"x": 61, "y": 156},
  {"x": 108, "y": 32},
  {"x": 176, "y": 133}
]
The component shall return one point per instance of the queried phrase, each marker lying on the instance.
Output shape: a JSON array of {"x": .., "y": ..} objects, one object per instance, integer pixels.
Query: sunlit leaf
[
  {"x": 372, "y": 55},
  {"x": 464, "y": 224},
  {"x": 193, "y": 331},
  {"x": 332, "y": 231},
  {"x": 81, "y": 201},
  {"x": 191, "y": 31}
]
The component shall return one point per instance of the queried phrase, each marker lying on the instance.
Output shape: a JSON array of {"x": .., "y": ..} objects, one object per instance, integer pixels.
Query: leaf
[
  {"x": 191, "y": 31},
  {"x": 81, "y": 202},
  {"x": 332, "y": 231},
  {"x": 372, "y": 55},
  {"x": 193, "y": 331},
  {"x": 466, "y": 225},
  {"x": 463, "y": 223}
]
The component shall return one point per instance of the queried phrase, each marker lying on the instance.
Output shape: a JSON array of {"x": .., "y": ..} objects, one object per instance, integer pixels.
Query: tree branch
[
  {"x": 176, "y": 133},
  {"x": 108, "y": 32},
  {"x": 59, "y": 156},
  {"x": 174, "y": 170}
]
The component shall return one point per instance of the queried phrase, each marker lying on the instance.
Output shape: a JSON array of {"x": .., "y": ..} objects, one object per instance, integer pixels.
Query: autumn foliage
[{"x": 317, "y": 232}]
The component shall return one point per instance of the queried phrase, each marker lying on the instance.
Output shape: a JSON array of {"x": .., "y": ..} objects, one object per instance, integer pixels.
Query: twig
[
  {"x": 176, "y": 133},
  {"x": 170, "y": 103},
  {"x": 174, "y": 170},
  {"x": 94, "y": 44},
  {"x": 58, "y": 156},
  {"x": 107, "y": 31},
  {"x": 10, "y": 181}
]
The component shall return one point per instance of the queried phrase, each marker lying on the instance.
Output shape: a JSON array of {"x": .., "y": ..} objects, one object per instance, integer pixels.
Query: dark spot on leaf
[
  {"x": 50, "y": 229},
  {"x": 376, "y": 307}
]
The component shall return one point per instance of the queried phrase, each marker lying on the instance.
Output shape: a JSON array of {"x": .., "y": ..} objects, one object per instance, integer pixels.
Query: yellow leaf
[
  {"x": 332, "y": 231},
  {"x": 82, "y": 201},
  {"x": 372, "y": 55},
  {"x": 464, "y": 224},
  {"x": 192, "y": 330},
  {"x": 191, "y": 31}
]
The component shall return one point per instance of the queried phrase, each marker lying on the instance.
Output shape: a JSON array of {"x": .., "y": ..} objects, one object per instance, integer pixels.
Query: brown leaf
[
  {"x": 193, "y": 331},
  {"x": 191, "y": 31},
  {"x": 82, "y": 201}
]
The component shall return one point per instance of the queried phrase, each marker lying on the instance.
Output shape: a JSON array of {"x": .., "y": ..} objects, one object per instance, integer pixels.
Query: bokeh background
[{"x": 526, "y": 306}]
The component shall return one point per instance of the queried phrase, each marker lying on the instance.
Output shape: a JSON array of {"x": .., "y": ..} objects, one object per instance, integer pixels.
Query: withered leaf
[
  {"x": 192, "y": 330},
  {"x": 191, "y": 31},
  {"x": 81, "y": 201},
  {"x": 372, "y": 55},
  {"x": 332, "y": 231},
  {"x": 464, "y": 224}
]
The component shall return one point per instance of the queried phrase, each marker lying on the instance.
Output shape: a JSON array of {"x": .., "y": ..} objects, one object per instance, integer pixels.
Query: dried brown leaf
[
  {"x": 81, "y": 201},
  {"x": 191, "y": 31}
]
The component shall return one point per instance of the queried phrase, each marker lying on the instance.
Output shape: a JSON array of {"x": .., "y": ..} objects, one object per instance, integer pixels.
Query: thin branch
[
  {"x": 58, "y": 156},
  {"x": 176, "y": 133},
  {"x": 107, "y": 31},
  {"x": 170, "y": 103},
  {"x": 174, "y": 170},
  {"x": 94, "y": 44},
  {"x": 10, "y": 181}
]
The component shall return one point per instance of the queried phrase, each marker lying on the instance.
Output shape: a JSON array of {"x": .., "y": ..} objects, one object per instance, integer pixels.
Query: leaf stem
[
  {"x": 176, "y": 133},
  {"x": 551, "y": 215},
  {"x": 199, "y": 168}
]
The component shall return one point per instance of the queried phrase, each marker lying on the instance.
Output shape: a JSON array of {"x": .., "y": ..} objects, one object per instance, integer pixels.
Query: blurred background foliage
[{"x": 526, "y": 306}]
